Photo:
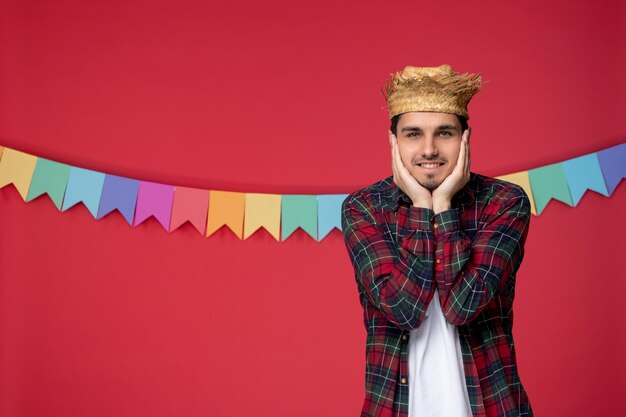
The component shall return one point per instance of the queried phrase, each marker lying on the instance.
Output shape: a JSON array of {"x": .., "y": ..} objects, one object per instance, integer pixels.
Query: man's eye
[
  {"x": 412, "y": 134},
  {"x": 445, "y": 133}
]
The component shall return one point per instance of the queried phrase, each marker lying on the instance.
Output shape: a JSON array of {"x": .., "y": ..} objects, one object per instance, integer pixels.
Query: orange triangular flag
[{"x": 226, "y": 208}]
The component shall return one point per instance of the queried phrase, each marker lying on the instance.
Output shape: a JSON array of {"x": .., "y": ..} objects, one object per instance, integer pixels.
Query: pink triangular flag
[
  {"x": 154, "y": 199},
  {"x": 190, "y": 204}
]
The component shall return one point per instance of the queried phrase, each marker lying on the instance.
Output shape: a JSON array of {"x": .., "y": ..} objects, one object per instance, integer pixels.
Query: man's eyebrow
[
  {"x": 445, "y": 127},
  {"x": 419, "y": 129},
  {"x": 411, "y": 129}
]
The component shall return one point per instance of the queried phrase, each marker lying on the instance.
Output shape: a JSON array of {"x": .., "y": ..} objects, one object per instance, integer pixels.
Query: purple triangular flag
[
  {"x": 118, "y": 193},
  {"x": 156, "y": 200},
  {"x": 613, "y": 164}
]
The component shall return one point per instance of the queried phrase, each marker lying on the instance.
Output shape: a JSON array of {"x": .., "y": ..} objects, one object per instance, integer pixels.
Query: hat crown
[
  {"x": 419, "y": 72},
  {"x": 433, "y": 89}
]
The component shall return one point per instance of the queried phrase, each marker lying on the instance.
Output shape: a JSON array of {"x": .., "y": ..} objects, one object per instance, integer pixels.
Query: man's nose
[{"x": 430, "y": 149}]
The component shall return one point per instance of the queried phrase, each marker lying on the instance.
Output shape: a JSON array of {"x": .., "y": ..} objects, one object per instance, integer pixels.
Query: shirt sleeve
[
  {"x": 476, "y": 270},
  {"x": 394, "y": 273}
]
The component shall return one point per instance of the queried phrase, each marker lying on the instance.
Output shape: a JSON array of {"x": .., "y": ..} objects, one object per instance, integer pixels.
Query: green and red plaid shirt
[{"x": 470, "y": 254}]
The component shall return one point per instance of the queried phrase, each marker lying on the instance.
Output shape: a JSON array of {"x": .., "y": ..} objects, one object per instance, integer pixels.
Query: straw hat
[{"x": 436, "y": 89}]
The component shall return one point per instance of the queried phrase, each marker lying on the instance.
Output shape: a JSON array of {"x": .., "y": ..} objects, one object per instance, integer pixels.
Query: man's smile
[{"x": 430, "y": 166}]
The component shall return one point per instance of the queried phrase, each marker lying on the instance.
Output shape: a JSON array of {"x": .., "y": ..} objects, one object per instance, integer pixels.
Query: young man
[{"x": 435, "y": 250}]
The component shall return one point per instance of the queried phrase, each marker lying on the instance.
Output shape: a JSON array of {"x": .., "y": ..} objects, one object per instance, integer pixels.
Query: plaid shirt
[{"x": 470, "y": 254}]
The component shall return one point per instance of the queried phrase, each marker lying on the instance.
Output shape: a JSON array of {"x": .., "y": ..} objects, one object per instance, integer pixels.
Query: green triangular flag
[
  {"x": 299, "y": 211},
  {"x": 49, "y": 177},
  {"x": 549, "y": 182}
]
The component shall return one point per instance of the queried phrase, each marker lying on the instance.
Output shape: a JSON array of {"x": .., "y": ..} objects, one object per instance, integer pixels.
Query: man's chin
[{"x": 429, "y": 184}]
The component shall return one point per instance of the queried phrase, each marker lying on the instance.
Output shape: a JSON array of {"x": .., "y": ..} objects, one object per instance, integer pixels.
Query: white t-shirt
[{"x": 436, "y": 378}]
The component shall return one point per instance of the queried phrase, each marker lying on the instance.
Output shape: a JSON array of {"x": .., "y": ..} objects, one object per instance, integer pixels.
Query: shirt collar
[{"x": 394, "y": 194}]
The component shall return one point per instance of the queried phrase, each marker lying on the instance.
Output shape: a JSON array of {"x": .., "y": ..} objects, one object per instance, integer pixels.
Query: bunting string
[{"x": 281, "y": 215}]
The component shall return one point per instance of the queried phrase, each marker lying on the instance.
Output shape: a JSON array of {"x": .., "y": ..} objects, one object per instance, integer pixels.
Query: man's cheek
[
  {"x": 451, "y": 165},
  {"x": 406, "y": 159}
]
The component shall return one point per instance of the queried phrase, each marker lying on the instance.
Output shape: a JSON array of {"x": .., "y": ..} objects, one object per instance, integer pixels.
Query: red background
[{"x": 101, "y": 319}]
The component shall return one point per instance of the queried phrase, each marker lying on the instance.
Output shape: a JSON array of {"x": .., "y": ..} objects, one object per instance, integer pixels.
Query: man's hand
[
  {"x": 420, "y": 196},
  {"x": 442, "y": 195}
]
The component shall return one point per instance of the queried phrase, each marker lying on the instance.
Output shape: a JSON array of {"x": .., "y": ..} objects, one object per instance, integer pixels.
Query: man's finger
[
  {"x": 394, "y": 162},
  {"x": 396, "y": 154},
  {"x": 467, "y": 159},
  {"x": 402, "y": 169},
  {"x": 460, "y": 163},
  {"x": 403, "y": 175}
]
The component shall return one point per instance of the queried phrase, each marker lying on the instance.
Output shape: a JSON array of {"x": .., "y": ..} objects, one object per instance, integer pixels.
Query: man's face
[{"x": 429, "y": 145}]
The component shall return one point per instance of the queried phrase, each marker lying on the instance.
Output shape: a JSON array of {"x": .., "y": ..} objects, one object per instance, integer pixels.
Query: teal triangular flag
[
  {"x": 328, "y": 213},
  {"x": 582, "y": 174},
  {"x": 299, "y": 211},
  {"x": 549, "y": 182},
  {"x": 49, "y": 177},
  {"x": 86, "y": 186}
]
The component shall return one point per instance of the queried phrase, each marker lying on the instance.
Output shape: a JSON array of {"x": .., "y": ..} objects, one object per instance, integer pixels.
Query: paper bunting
[
  {"x": 17, "y": 168},
  {"x": 584, "y": 174},
  {"x": 119, "y": 193},
  {"x": 549, "y": 182},
  {"x": 280, "y": 215},
  {"x": 84, "y": 186},
  {"x": 154, "y": 199},
  {"x": 328, "y": 213},
  {"x": 226, "y": 208},
  {"x": 521, "y": 179},
  {"x": 299, "y": 211},
  {"x": 262, "y": 210},
  {"x": 190, "y": 204},
  {"x": 613, "y": 164},
  {"x": 49, "y": 177}
]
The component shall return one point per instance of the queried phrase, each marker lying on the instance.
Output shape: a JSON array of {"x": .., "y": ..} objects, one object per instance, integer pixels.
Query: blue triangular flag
[
  {"x": 582, "y": 174},
  {"x": 119, "y": 193},
  {"x": 613, "y": 164},
  {"x": 328, "y": 213},
  {"x": 84, "y": 186}
]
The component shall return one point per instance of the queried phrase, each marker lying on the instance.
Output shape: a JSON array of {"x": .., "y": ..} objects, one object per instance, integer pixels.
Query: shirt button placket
[{"x": 405, "y": 337}]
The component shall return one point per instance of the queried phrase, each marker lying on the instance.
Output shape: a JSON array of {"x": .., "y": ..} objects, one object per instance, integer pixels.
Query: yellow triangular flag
[
  {"x": 262, "y": 210},
  {"x": 17, "y": 168},
  {"x": 226, "y": 208},
  {"x": 521, "y": 179}
]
